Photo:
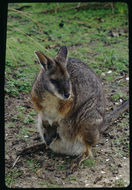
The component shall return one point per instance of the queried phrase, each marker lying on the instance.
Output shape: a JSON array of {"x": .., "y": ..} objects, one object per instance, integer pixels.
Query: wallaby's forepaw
[{"x": 50, "y": 134}]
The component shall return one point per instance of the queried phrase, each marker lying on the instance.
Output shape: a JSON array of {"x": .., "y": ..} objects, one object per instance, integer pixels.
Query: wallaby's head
[{"x": 57, "y": 76}]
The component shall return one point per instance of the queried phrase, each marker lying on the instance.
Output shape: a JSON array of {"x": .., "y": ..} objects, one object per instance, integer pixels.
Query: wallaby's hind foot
[{"x": 78, "y": 160}]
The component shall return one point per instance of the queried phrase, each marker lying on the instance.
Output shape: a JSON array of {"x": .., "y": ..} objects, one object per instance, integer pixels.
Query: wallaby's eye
[{"x": 53, "y": 81}]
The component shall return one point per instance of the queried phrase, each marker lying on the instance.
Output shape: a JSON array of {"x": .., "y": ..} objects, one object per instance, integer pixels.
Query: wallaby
[{"x": 69, "y": 99}]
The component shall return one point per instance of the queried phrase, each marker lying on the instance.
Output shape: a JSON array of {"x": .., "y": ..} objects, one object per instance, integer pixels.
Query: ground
[{"x": 98, "y": 35}]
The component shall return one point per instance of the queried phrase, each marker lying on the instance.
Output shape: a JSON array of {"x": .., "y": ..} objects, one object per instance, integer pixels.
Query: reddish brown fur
[
  {"x": 65, "y": 106},
  {"x": 36, "y": 102}
]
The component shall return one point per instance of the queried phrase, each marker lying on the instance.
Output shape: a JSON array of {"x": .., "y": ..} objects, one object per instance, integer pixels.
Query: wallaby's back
[{"x": 86, "y": 86}]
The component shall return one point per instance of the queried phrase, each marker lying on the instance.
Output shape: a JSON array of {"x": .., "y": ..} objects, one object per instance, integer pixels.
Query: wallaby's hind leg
[
  {"x": 79, "y": 159},
  {"x": 89, "y": 135}
]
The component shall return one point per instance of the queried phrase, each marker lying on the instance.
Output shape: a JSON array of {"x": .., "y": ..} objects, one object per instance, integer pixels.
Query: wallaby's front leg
[
  {"x": 50, "y": 132},
  {"x": 47, "y": 132}
]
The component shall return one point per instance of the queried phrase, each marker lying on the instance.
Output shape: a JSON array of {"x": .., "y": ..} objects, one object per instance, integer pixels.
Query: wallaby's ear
[
  {"x": 45, "y": 62},
  {"x": 62, "y": 53}
]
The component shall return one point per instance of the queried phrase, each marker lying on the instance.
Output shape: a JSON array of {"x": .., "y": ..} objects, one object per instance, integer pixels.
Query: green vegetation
[
  {"x": 118, "y": 95},
  {"x": 72, "y": 178},
  {"x": 12, "y": 177},
  {"x": 89, "y": 163},
  {"x": 120, "y": 183},
  {"x": 48, "y": 185},
  {"x": 33, "y": 165},
  {"x": 86, "y": 32}
]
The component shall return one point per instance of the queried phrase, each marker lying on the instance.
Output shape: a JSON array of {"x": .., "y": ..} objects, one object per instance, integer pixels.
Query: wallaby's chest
[{"x": 50, "y": 109}]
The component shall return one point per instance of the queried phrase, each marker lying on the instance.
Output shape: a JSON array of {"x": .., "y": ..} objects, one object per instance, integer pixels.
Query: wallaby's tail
[{"x": 113, "y": 115}]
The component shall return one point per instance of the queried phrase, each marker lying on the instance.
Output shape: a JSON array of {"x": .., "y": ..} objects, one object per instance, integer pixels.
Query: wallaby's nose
[{"x": 66, "y": 94}]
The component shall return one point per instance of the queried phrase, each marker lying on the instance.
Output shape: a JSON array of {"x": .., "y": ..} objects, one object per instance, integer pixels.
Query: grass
[
  {"x": 48, "y": 185},
  {"x": 120, "y": 183},
  {"x": 33, "y": 165},
  {"x": 89, "y": 163},
  {"x": 118, "y": 95},
  {"x": 12, "y": 177},
  {"x": 9, "y": 125},
  {"x": 27, "y": 31},
  {"x": 72, "y": 178}
]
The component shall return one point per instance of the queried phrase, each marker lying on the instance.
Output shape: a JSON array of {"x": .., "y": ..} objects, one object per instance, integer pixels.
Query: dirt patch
[{"x": 109, "y": 166}]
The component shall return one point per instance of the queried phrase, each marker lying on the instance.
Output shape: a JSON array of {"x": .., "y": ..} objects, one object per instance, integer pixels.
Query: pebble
[
  {"x": 102, "y": 172},
  {"x": 86, "y": 185},
  {"x": 109, "y": 72},
  {"x": 103, "y": 74},
  {"x": 111, "y": 136},
  {"x": 107, "y": 160},
  {"x": 26, "y": 136},
  {"x": 127, "y": 78},
  {"x": 113, "y": 90},
  {"x": 119, "y": 166},
  {"x": 121, "y": 100}
]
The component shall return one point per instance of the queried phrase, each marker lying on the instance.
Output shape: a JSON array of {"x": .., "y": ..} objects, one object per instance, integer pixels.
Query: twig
[
  {"x": 32, "y": 149},
  {"x": 23, "y": 7},
  {"x": 15, "y": 161},
  {"x": 119, "y": 78}
]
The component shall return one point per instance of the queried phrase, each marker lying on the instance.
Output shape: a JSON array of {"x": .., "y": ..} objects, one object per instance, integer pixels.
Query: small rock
[
  {"x": 102, "y": 74},
  {"x": 121, "y": 100},
  {"x": 102, "y": 172},
  {"x": 111, "y": 136},
  {"x": 109, "y": 72},
  {"x": 26, "y": 136},
  {"x": 107, "y": 160},
  {"x": 61, "y": 24},
  {"x": 119, "y": 166},
  {"x": 112, "y": 90}
]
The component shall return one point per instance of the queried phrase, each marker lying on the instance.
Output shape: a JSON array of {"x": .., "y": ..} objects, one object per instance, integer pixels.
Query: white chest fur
[{"x": 50, "y": 110}]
